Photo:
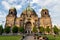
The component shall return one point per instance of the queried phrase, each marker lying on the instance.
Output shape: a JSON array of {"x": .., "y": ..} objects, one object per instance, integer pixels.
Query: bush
[
  {"x": 15, "y": 29},
  {"x": 55, "y": 29},
  {"x": 35, "y": 29},
  {"x": 1, "y": 29},
  {"x": 7, "y": 29},
  {"x": 48, "y": 29},
  {"x": 41, "y": 29},
  {"x": 21, "y": 29}
]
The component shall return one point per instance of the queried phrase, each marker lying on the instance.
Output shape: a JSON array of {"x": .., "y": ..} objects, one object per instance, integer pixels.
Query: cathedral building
[{"x": 28, "y": 19}]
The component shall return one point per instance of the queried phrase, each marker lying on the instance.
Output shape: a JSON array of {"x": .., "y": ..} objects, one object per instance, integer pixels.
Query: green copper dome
[{"x": 31, "y": 10}]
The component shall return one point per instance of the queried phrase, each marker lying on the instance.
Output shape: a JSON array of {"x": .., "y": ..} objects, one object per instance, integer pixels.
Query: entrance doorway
[{"x": 28, "y": 27}]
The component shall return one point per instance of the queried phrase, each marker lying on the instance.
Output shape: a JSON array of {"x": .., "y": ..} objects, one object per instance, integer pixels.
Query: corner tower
[
  {"x": 45, "y": 19},
  {"x": 11, "y": 17}
]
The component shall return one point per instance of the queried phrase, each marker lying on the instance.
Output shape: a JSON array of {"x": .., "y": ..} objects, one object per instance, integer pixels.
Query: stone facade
[{"x": 28, "y": 19}]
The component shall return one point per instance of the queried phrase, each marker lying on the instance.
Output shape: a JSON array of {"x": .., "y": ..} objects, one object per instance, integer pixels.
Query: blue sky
[{"x": 52, "y": 5}]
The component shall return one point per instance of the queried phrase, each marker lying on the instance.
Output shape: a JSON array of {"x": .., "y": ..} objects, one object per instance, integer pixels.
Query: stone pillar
[
  {"x": 30, "y": 31},
  {"x": 27, "y": 31}
]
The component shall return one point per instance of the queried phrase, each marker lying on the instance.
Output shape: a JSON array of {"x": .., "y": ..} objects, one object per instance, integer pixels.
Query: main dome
[{"x": 29, "y": 9}]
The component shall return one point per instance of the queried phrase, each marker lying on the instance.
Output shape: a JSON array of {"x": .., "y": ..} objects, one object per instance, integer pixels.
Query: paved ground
[{"x": 29, "y": 38}]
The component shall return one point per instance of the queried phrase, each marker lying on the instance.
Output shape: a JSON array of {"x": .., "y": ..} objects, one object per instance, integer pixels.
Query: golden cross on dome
[{"x": 28, "y": 3}]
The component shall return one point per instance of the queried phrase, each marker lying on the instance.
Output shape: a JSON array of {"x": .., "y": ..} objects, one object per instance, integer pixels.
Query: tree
[
  {"x": 35, "y": 29},
  {"x": 21, "y": 29},
  {"x": 15, "y": 29},
  {"x": 1, "y": 29},
  {"x": 55, "y": 29},
  {"x": 48, "y": 29},
  {"x": 41, "y": 29},
  {"x": 7, "y": 29}
]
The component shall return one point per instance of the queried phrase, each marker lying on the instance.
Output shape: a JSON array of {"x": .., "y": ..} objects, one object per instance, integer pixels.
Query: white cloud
[
  {"x": 56, "y": 8},
  {"x": 10, "y": 1},
  {"x": 39, "y": 13},
  {"x": 2, "y": 15},
  {"x": 44, "y": 3},
  {"x": 6, "y": 4},
  {"x": 17, "y": 6}
]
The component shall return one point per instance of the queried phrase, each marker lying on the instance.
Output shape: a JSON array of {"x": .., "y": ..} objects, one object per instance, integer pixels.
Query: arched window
[
  {"x": 45, "y": 13},
  {"x": 21, "y": 22}
]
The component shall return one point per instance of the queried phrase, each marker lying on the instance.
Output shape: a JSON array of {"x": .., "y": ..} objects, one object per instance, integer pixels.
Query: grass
[
  {"x": 51, "y": 37},
  {"x": 10, "y": 37}
]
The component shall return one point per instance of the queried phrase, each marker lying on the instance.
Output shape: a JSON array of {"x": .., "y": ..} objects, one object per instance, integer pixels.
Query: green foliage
[
  {"x": 48, "y": 29},
  {"x": 41, "y": 29},
  {"x": 35, "y": 29},
  {"x": 7, "y": 29},
  {"x": 15, "y": 29},
  {"x": 10, "y": 37},
  {"x": 55, "y": 29},
  {"x": 52, "y": 37},
  {"x": 21, "y": 29},
  {"x": 1, "y": 29}
]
